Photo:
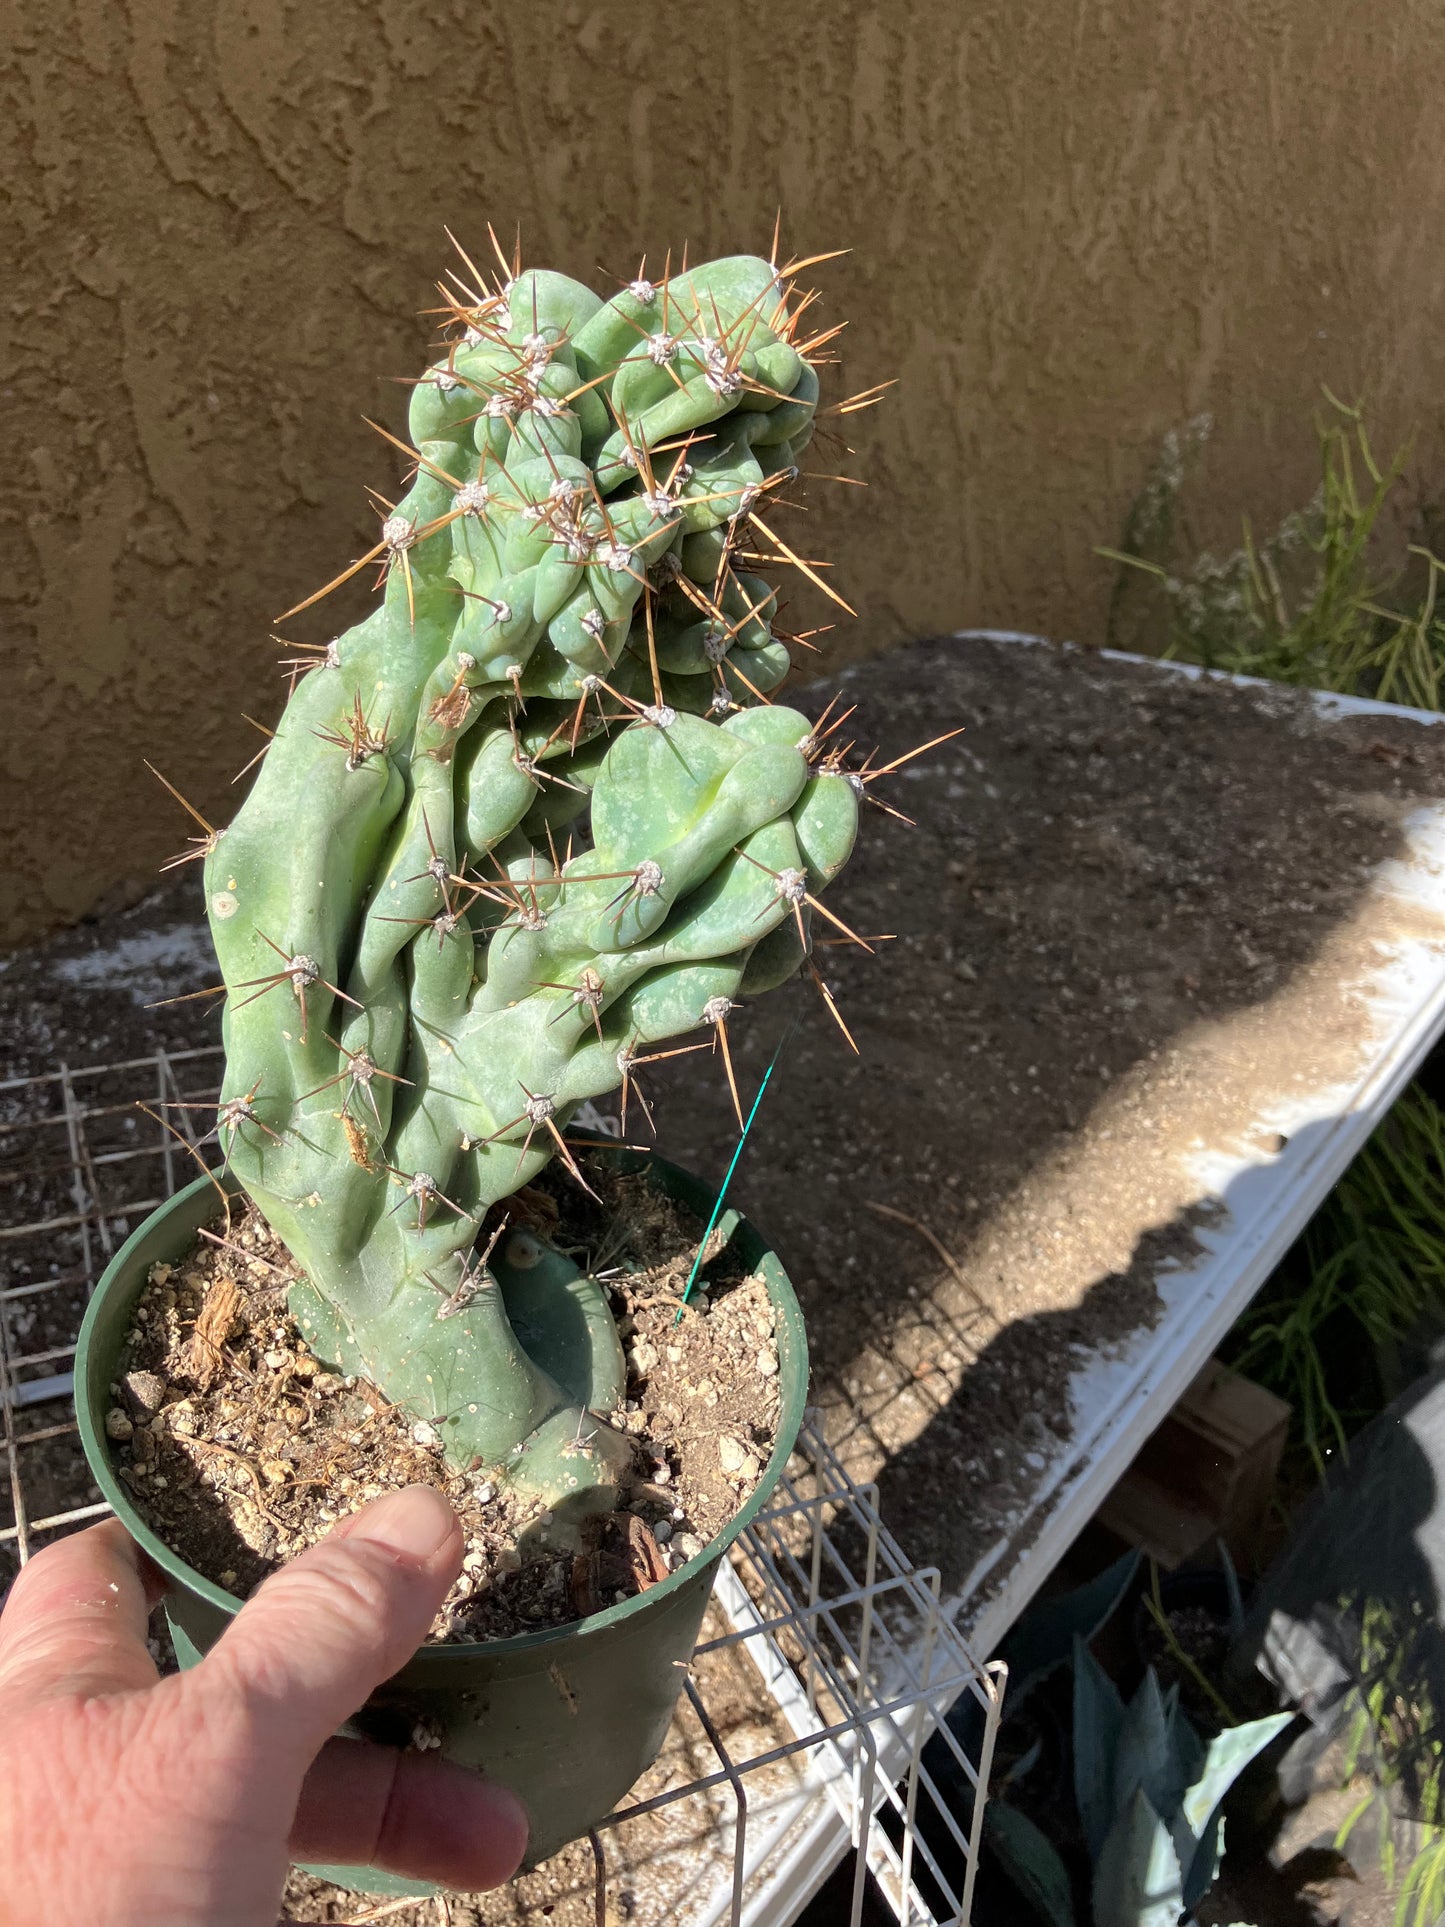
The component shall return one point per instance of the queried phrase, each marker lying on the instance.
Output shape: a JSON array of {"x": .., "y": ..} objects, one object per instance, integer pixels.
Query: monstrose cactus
[{"x": 422, "y": 983}]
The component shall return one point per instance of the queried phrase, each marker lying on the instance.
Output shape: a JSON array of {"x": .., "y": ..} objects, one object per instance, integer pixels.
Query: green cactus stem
[{"x": 421, "y": 988}]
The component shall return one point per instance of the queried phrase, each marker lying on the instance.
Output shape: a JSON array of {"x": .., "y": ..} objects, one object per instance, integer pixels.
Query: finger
[
  {"x": 75, "y": 1621},
  {"x": 304, "y": 1653},
  {"x": 410, "y": 1813}
]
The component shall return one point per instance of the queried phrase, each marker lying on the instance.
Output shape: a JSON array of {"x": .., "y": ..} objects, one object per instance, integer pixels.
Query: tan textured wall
[{"x": 1075, "y": 223}]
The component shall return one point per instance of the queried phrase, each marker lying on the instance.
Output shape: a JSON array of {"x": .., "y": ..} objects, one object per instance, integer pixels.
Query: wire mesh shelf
[{"x": 825, "y": 1666}]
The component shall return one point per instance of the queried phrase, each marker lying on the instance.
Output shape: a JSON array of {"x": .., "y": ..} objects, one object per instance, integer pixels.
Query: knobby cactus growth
[{"x": 422, "y": 985}]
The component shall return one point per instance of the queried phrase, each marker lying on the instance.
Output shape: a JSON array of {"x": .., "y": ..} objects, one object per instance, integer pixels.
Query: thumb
[{"x": 304, "y": 1653}]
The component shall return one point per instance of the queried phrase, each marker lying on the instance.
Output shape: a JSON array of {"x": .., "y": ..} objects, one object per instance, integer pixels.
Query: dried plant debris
[{"x": 241, "y": 1448}]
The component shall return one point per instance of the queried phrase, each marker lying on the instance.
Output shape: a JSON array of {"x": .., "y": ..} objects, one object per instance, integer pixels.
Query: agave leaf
[
  {"x": 1098, "y": 1721},
  {"x": 1137, "y": 1882},
  {"x": 1229, "y": 1754},
  {"x": 1199, "y": 1854},
  {"x": 1043, "y": 1640},
  {"x": 1025, "y": 1763},
  {"x": 1031, "y": 1862},
  {"x": 1187, "y": 1746},
  {"x": 1146, "y": 1755}
]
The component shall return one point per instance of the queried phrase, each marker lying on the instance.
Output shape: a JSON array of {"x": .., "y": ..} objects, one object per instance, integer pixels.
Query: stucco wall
[{"x": 1074, "y": 223}]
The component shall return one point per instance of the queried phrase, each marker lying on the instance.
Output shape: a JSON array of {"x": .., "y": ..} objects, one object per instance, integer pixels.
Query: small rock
[
  {"x": 768, "y": 1364},
  {"x": 731, "y": 1453},
  {"x": 326, "y": 1383},
  {"x": 750, "y": 1468},
  {"x": 484, "y": 1493},
  {"x": 674, "y": 1354},
  {"x": 475, "y": 1562},
  {"x": 644, "y": 1355},
  {"x": 510, "y": 1560},
  {"x": 253, "y": 1527},
  {"x": 275, "y": 1471},
  {"x": 159, "y": 1274},
  {"x": 160, "y": 1482},
  {"x": 688, "y": 1544},
  {"x": 425, "y": 1434},
  {"x": 145, "y": 1390},
  {"x": 304, "y": 1365},
  {"x": 117, "y": 1425},
  {"x": 228, "y": 1577},
  {"x": 661, "y": 1473},
  {"x": 662, "y": 1531},
  {"x": 275, "y": 1359}
]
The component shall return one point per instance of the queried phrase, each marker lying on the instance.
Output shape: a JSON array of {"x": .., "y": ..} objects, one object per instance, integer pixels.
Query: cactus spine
[{"x": 420, "y": 986}]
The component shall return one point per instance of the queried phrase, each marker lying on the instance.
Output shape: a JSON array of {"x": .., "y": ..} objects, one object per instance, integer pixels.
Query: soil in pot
[
  {"x": 1197, "y": 1642},
  {"x": 241, "y": 1448}
]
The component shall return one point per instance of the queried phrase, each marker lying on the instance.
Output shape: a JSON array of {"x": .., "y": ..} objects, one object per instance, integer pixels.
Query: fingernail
[{"x": 414, "y": 1523}]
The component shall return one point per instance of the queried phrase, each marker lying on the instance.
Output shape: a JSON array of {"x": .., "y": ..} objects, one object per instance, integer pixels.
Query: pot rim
[{"x": 97, "y": 1445}]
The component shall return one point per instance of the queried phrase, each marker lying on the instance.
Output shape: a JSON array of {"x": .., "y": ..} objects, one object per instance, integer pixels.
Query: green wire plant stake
[
  {"x": 726, "y": 1184},
  {"x": 533, "y": 820}
]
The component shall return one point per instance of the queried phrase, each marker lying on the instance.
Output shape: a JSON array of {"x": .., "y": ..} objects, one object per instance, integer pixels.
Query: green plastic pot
[{"x": 569, "y": 1718}]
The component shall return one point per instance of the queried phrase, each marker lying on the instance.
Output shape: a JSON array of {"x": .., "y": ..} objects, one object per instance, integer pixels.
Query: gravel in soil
[{"x": 241, "y": 1449}]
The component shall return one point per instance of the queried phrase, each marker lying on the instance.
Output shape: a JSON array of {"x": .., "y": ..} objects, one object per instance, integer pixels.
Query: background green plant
[
  {"x": 1393, "y": 1737},
  {"x": 1325, "y": 1331},
  {"x": 1149, "y": 1793},
  {"x": 1319, "y": 601}
]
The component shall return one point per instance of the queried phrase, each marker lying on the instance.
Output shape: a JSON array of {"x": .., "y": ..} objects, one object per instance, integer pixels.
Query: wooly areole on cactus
[{"x": 426, "y": 968}]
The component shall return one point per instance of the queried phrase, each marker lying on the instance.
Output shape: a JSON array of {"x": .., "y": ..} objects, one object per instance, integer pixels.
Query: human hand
[{"x": 127, "y": 1800}]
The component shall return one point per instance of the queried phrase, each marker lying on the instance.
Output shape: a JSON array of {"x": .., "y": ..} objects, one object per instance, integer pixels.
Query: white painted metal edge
[{"x": 1117, "y": 1407}]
